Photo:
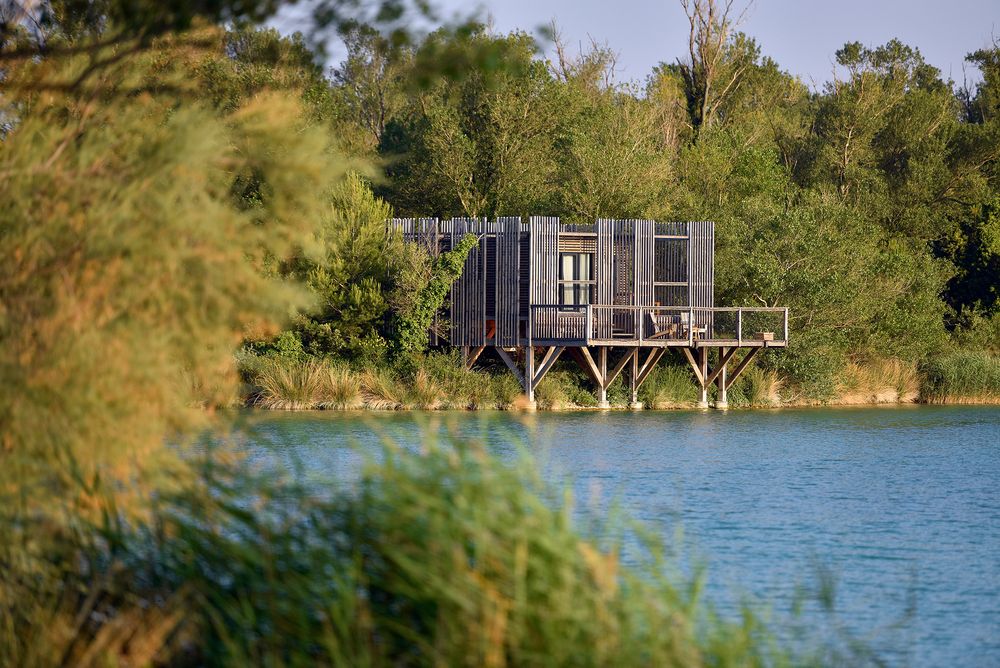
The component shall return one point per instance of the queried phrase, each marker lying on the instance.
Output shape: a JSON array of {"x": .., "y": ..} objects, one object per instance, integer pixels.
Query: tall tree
[{"x": 716, "y": 64}]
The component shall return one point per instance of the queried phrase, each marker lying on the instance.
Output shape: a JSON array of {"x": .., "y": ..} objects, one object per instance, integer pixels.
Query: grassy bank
[
  {"x": 439, "y": 381},
  {"x": 962, "y": 377}
]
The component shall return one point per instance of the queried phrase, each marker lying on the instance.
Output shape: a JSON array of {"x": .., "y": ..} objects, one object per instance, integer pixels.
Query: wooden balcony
[{"x": 657, "y": 326}]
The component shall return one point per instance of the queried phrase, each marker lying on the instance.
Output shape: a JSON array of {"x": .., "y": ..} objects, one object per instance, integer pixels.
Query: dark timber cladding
[{"x": 615, "y": 295}]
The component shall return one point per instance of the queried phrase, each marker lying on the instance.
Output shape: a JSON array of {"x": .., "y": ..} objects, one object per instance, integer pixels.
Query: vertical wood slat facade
[
  {"x": 507, "y": 241},
  {"x": 516, "y": 264},
  {"x": 468, "y": 293},
  {"x": 604, "y": 273},
  {"x": 701, "y": 265},
  {"x": 543, "y": 273},
  {"x": 643, "y": 239}
]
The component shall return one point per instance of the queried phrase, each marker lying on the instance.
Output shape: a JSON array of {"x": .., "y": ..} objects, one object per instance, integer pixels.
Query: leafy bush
[
  {"x": 618, "y": 393},
  {"x": 979, "y": 332},
  {"x": 413, "y": 322}
]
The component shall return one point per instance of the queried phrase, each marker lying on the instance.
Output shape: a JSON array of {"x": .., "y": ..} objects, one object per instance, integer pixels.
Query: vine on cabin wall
[{"x": 411, "y": 327}]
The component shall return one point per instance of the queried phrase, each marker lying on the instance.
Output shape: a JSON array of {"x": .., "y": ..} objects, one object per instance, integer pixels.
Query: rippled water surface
[{"x": 900, "y": 506}]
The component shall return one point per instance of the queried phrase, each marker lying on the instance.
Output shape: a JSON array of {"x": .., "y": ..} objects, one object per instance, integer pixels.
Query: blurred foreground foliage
[
  {"x": 440, "y": 557},
  {"x": 133, "y": 259}
]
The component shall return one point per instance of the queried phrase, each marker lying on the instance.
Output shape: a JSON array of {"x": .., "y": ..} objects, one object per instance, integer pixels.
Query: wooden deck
[{"x": 632, "y": 343}]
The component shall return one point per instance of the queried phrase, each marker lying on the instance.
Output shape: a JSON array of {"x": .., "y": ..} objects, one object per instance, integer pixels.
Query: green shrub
[
  {"x": 979, "y": 332},
  {"x": 618, "y": 393}
]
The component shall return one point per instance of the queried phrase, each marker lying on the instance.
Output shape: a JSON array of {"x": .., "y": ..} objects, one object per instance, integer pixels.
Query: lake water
[{"x": 901, "y": 506}]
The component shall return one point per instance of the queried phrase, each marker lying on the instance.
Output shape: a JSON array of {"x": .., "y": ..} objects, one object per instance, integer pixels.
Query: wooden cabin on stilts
[{"x": 614, "y": 296}]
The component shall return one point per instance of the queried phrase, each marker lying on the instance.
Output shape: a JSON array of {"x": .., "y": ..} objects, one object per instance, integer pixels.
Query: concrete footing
[
  {"x": 702, "y": 404},
  {"x": 604, "y": 405},
  {"x": 722, "y": 405},
  {"x": 636, "y": 406}
]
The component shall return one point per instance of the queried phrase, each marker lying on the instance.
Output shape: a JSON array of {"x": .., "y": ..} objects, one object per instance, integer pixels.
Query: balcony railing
[{"x": 611, "y": 323}]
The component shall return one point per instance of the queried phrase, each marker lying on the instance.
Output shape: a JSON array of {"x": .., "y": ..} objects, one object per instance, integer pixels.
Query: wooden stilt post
[
  {"x": 586, "y": 361},
  {"x": 634, "y": 381},
  {"x": 721, "y": 401},
  {"x": 529, "y": 375},
  {"x": 602, "y": 386},
  {"x": 703, "y": 364},
  {"x": 472, "y": 354}
]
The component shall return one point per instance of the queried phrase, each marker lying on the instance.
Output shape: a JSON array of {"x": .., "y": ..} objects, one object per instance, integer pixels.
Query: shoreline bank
[
  {"x": 439, "y": 382},
  {"x": 577, "y": 408}
]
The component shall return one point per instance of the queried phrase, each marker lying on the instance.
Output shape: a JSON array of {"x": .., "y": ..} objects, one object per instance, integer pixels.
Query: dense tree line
[{"x": 868, "y": 206}]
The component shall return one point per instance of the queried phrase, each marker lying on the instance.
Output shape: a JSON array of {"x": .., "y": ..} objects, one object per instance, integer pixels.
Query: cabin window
[
  {"x": 670, "y": 270},
  {"x": 576, "y": 278}
]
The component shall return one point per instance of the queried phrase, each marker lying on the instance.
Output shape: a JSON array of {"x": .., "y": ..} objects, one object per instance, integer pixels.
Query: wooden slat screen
[
  {"x": 468, "y": 293},
  {"x": 507, "y": 289},
  {"x": 604, "y": 273},
  {"x": 643, "y": 262},
  {"x": 544, "y": 270},
  {"x": 701, "y": 261}
]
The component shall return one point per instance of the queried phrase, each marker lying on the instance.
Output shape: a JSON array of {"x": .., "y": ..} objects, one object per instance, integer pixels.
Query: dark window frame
[{"x": 580, "y": 289}]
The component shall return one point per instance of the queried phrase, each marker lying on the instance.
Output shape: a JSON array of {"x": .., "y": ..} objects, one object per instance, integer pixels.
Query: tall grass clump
[
  {"x": 341, "y": 388},
  {"x": 425, "y": 392},
  {"x": 383, "y": 390},
  {"x": 445, "y": 557},
  {"x": 295, "y": 385},
  {"x": 459, "y": 386},
  {"x": 505, "y": 391},
  {"x": 878, "y": 381},
  {"x": 559, "y": 390},
  {"x": 961, "y": 377},
  {"x": 669, "y": 386},
  {"x": 756, "y": 388}
]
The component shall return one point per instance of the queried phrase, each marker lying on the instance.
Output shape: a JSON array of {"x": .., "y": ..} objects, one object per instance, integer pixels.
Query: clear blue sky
[{"x": 801, "y": 35}]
